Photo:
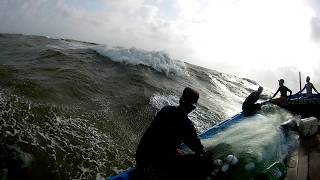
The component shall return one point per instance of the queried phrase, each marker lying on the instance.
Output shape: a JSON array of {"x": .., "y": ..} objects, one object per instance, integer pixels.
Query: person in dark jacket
[
  {"x": 158, "y": 149},
  {"x": 283, "y": 94},
  {"x": 249, "y": 106}
]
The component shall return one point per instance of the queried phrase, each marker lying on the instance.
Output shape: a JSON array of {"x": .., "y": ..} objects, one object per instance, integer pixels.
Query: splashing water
[
  {"x": 155, "y": 59},
  {"x": 200, "y": 118},
  {"x": 257, "y": 141},
  {"x": 78, "y": 109}
]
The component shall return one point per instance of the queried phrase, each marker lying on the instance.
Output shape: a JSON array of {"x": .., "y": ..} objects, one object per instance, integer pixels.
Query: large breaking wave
[
  {"x": 160, "y": 61},
  {"x": 75, "y": 109}
]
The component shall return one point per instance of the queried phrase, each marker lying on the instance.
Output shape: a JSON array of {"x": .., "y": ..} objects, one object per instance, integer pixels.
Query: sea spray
[
  {"x": 79, "y": 113},
  {"x": 160, "y": 61},
  {"x": 201, "y": 118},
  {"x": 257, "y": 141}
]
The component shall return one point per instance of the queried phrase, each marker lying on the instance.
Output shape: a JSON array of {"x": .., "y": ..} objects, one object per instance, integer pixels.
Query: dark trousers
[
  {"x": 252, "y": 109},
  {"x": 191, "y": 167}
]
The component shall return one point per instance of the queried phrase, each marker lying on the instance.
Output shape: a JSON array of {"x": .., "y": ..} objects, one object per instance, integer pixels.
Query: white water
[
  {"x": 201, "y": 119},
  {"x": 155, "y": 59},
  {"x": 258, "y": 136},
  {"x": 257, "y": 141}
]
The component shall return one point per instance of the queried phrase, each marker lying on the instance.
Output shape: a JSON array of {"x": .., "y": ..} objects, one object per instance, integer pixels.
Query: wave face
[
  {"x": 155, "y": 59},
  {"x": 76, "y": 110}
]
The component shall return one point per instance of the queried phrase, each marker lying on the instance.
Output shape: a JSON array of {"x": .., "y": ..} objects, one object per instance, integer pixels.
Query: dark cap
[
  {"x": 281, "y": 80},
  {"x": 189, "y": 96}
]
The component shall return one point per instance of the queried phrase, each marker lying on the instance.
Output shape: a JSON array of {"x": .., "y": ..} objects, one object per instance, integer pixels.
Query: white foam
[
  {"x": 73, "y": 137},
  {"x": 76, "y": 45},
  {"x": 231, "y": 101},
  {"x": 100, "y": 177},
  {"x": 258, "y": 135},
  {"x": 201, "y": 119},
  {"x": 117, "y": 170},
  {"x": 158, "y": 100},
  {"x": 232, "y": 92},
  {"x": 159, "y": 61}
]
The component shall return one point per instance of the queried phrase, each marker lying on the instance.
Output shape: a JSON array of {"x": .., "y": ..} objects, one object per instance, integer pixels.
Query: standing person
[
  {"x": 159, "y": 146},
  {"x": 308, "y": 87},
  {"x": 249, "y": 106},
  {"x": 283, "y": 93}
]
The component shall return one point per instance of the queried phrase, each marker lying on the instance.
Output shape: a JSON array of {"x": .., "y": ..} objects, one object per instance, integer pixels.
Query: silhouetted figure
[
  {"x": 13, "y": 167},
  {"x": 283, "y": 94},
  {"x": 158, "y": 151},
  {"x": 308, "y": 87},
  {"x": 249, "y": 106}
]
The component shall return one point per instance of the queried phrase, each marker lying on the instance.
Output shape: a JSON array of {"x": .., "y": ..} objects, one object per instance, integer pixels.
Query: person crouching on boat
[
  {"x": 249, "y": 106},
  {"x": 283, "y": 94},
  {"x": 158, "y": 154},
  {"x": 308, "y": 87}
]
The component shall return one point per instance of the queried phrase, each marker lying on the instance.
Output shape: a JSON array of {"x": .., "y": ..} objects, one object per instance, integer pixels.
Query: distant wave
[
  {"x": 72, "y": 117},
  {"x": 159, "y": 61}
]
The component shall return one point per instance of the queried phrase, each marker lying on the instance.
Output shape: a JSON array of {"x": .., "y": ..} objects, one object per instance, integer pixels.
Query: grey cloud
[
  {"x": 315, "y": 35},
  {"x": 315, "y": 28},
  {"x": 120, "y": 23},
  {"x": 290, "y": 75},
  {"x": 316, "y": 76},
  {"x": 315, "y": 21},
  {"x": 270, "y": 77}
]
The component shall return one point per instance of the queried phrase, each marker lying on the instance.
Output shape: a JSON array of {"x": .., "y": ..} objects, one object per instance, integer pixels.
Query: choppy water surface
[{"x": 76, "y": 110}]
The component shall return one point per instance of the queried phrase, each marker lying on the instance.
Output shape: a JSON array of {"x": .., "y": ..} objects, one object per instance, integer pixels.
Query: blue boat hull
[
  {"x": 298, "y": 104},
  {"x": 306, "y": 107},
  {"x": 207, "y": 134}
]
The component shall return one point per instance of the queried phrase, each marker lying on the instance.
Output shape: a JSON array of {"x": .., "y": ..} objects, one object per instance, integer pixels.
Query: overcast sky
[{"x": 264, "y": 40}]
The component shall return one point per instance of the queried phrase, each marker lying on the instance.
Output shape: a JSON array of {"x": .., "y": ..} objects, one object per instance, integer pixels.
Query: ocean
[{"x": 76, "y": 110}]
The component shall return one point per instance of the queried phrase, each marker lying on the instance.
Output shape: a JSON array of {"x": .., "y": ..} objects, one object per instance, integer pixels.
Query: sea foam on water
[
  {"x": 160, "y": 61},
  {"x": 257, "y": 141}
]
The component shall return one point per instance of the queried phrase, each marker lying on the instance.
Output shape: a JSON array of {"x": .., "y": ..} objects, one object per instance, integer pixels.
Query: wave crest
[{"x": 159, "y": 61}]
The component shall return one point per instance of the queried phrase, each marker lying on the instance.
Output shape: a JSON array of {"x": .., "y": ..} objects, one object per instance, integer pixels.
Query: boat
[
  {"x": 304, "y": 162},
  {"x": 298, "y": 104},
  {"x": 125, "y": 175},
  {"x": 303, "y": 105}
]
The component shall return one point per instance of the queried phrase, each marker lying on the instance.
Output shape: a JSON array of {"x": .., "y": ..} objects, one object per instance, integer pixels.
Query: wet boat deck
[{"x": 304, "y": 163}]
